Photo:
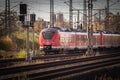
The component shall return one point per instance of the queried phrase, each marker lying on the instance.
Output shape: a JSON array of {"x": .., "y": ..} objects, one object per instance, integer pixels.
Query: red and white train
[{"x": 54, "y": 40}]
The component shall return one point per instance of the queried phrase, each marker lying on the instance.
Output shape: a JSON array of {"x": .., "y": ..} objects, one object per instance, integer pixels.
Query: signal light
[
  {"x": 22, "y": 18},
  {"x": 32, "y": 19},
  {"x": 23, "y": 8}
]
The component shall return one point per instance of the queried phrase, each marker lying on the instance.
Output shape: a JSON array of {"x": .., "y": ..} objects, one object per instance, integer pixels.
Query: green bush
[
  {"x": 21, "y": 54},
  {"x": 3, "y": 46},
  {"x": 6, "y": 44},
  {"x": 17, "y": 42},
  {"x": 21, "y": 39}
]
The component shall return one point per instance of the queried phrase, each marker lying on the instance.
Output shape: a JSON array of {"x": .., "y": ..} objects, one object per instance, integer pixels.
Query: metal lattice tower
[
  {"x": 51, "y": 13},
  {"x": 70, "y": 14},
  {"x": 7, "y": 17},
  {"x": 78, "y": 19},
  {"x": 107, "y": 16},
  {"x": 85, "y": 15},
  {"x": 100, "y": 16},
  {"x": 89, "y": 28}
]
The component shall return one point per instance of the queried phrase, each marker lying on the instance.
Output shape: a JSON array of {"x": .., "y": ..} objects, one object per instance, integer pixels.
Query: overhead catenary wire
[{"x": 41, "y": 4}]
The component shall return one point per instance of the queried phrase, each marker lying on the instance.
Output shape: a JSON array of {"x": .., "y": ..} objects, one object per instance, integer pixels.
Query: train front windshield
[{"x": 48, "y": 35}]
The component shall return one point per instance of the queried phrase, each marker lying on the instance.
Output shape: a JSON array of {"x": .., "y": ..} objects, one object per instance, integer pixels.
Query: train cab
[{"x": 49, "y": 40}]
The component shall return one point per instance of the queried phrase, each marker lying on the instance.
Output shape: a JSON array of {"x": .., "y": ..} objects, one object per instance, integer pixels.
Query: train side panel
[
  {"x": 81, "y": 40},
  {"x": 72, "y": 40},
  {"x": 111, "y": 40},
  {"x": 96, "y": 40},
  {"x": 66, "y": 41},
  {"x": 75, "y": 40}
]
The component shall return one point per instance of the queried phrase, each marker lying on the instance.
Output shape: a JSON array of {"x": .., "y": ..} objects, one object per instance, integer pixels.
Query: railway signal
[
  {"x": 23, "y": 14},
  {"x": 32, "y": 20},
  {"x": 22, "y": 18},
  {"x": 23, "y": 8}
]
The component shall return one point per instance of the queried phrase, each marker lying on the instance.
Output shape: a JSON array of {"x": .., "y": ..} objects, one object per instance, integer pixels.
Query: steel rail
[
  {"x": 12, "y": 60},
  {"x": 11, "y": 72},
  {"x": 61, "y": 73}
]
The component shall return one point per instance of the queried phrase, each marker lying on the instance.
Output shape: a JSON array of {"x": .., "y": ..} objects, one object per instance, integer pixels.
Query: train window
[
  {"x": 83, "y": 38},
  {"x": 61, "y": 39},
  {"x": 48, "y": 35}
]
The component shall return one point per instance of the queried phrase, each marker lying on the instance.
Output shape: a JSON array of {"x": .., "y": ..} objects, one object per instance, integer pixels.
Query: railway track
[
  {"x": 60, "y": 69},
  {"x": 48, "y": 58}
]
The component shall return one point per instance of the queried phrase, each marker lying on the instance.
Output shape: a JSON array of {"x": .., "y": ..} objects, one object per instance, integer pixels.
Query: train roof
[
  {"x": 49, "y": 29},
  {"x": 56, "y": 29},
  {"x": 61, "y": 29}
]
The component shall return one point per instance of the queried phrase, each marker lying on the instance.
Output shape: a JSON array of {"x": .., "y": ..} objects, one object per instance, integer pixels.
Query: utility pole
[
  {"x": 70, "y": 14},
  {"x": 7, "y": 17},
  {"x": 89, "y": 28},
  {"x": 85, "y": 15},
  {"x": 78, "y": 19},
  {"x": 51, "y": 13},
  {"x": 107, "y": 16},
  {"x": 99, "y": 16}
]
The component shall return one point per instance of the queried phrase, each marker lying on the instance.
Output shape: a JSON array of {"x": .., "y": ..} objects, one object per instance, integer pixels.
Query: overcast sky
[{"x": 42, "y": 8}]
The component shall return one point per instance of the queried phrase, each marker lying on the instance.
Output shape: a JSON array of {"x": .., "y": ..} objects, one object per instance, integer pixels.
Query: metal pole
[
  {"x": 27, "y": 45},
  {"x": 33, "y": 42},
  {"x": 27, "y": 37},
  {"x": 32, "y": 20},
  {"x": 6, "y": 16},
  {"x": 78, "y": 20},
  {"x": 99, "y": 16},
  {"x": 70, "y": 14},
  {"x": 107, "y": 16},
  {"x": 89, "y": 28},
  {"x": 9, "y": 19},
  {"x": 85, "y": 16},
  {"x": 51, "y": 13}
]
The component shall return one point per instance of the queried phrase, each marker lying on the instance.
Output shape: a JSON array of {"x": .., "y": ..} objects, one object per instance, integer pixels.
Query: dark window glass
[{"x": 48, "y": 35}]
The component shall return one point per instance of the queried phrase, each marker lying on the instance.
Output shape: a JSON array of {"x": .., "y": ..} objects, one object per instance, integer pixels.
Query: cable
[
  {"x": 15, "y": 6},
  {"x": 38, "y": 9},
  {"x": 115, "y": 3}
]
